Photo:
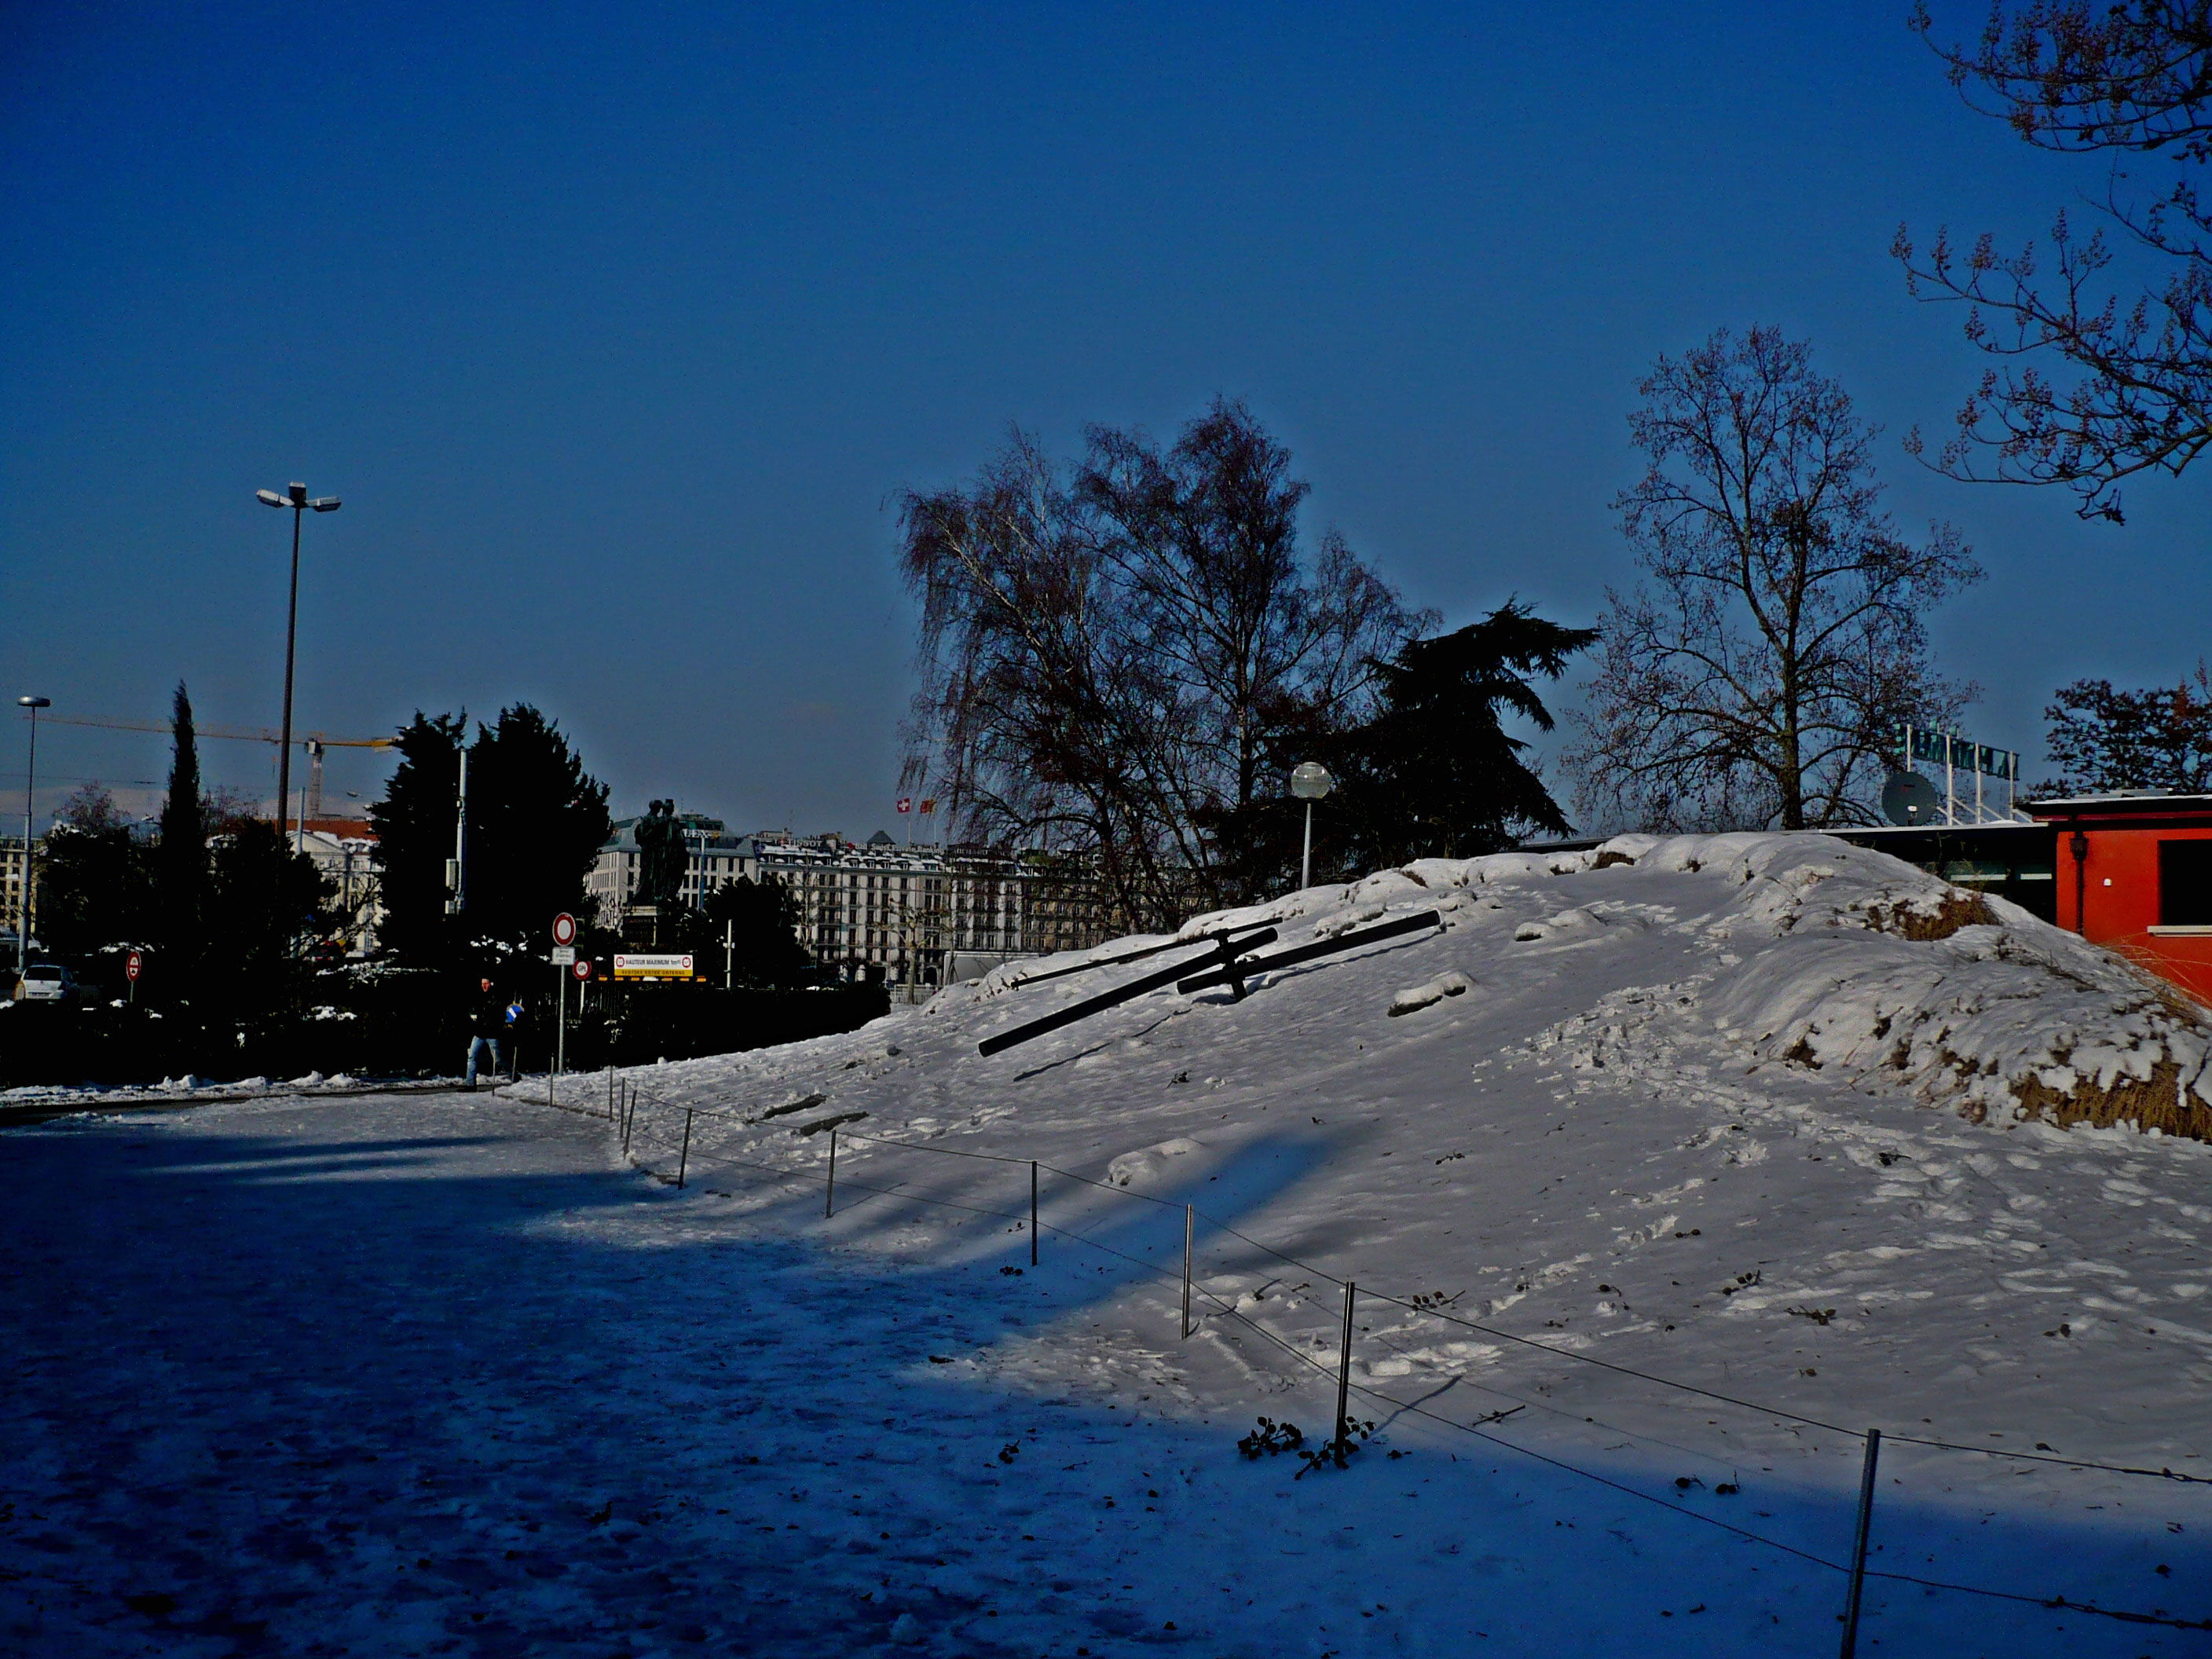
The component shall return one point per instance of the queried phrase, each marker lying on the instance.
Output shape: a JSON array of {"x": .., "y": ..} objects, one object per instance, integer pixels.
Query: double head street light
[
  {"x": 30, "y": 794},
  {"x": 295, "y": 497},
  {"x": 1310, "y": 782}
]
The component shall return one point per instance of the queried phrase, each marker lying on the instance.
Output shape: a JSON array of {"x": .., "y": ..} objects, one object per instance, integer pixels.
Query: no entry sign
[{"x": 564, "y": 929}]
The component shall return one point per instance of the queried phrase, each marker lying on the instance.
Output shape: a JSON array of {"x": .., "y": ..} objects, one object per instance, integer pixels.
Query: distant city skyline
[{"x": 619, "y": 353}]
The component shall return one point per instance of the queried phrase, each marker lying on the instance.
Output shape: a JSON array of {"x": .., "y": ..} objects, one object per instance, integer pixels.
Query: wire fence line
[{"x": 627, "y": 1104}]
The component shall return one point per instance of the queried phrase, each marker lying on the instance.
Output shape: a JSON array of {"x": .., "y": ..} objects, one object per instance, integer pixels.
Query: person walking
[{"x": 488, "y": 1017}]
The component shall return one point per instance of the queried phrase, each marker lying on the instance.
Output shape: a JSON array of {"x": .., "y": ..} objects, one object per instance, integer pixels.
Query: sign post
[
  {"x": 581, "y": 970},
  {"x": 131, "y": 966},
  {"x": 564, "y": 955}
]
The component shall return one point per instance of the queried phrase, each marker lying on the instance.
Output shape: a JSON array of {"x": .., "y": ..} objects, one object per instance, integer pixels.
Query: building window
[{"x": 2185, "y": 884}]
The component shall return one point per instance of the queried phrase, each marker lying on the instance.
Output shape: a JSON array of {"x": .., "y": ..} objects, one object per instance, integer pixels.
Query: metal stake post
[
  {"x": 560, "y": 1026},
  {"x": 1033, "y": 1235},
  {"x": 1344, "y": 1377},
  {"x": 683, "y": 1159},
  {"x": 1189, "y": 1217},
  {"x": 829, "y": 1199},
  {"x": 1859, "y": 1545}
]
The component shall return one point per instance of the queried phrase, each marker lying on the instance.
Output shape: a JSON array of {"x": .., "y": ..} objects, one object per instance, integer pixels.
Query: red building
[{"x": 2134, "y": 873}]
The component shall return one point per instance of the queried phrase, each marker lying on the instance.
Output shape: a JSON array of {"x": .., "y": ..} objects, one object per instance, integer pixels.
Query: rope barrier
[
  {"x": 1625, "y": 1371},
  {"x": 2042, "y": 1457},
  {"x": 1473, "y": 1325},
  {"x": 1229, "y": 1309}
]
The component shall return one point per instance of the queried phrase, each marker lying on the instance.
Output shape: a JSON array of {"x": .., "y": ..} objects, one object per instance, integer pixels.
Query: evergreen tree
[
  {"x": 264, "y": 902},
  {"x": 1434, "y": 774},
  {"x": 414, "y": 826},
  {"x": 537, "y": 821},
  {"x": 180, "y": 862},
  {"x": 760, "y": 919}
]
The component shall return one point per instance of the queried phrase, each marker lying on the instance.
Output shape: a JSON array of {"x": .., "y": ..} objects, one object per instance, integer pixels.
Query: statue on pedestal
[{"x": 662, "y": 858}]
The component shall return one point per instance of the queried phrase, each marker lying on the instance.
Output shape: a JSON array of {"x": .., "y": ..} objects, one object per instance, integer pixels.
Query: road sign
[
  {"x": 581, "y": 970},
  {"x": 564, "y": 929},
  {"x": 132, "y": 965},
  {"x": 563, "y": 955},
  {"x": 652, "y": 967}
]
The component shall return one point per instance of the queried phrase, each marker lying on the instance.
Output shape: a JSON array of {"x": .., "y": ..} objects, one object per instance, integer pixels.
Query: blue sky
[{"x": 618, "y": 328}]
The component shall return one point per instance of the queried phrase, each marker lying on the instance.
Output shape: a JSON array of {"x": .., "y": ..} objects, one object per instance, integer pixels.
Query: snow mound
[
  {"x": 1144, "y": 1165},
  {"x": 1788, "y": 950},
  {"x": 1431, "y": 992},
  {"x": 1771, "y": 1113}
]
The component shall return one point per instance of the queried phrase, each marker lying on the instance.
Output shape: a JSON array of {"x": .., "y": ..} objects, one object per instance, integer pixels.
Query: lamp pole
[
  {"x": 1310, "y": 782},
  {"x": 30, "y": 795},
  {"x": 295, "y": 497}
]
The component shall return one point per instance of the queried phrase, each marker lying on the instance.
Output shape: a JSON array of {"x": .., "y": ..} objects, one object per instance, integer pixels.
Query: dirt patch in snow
[
  {"x": 1955, "y": 909},
  {"x": 2152, "y": 1103}
]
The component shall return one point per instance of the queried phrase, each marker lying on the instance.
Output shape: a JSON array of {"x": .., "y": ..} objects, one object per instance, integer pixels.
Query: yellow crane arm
[{"x": 233, "y": 733}]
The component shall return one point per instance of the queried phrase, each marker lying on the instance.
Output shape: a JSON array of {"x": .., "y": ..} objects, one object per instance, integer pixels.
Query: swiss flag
[{"x": 906, "y": 803}]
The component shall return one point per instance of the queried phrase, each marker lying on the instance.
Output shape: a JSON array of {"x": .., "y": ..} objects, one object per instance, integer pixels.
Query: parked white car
[{"x": 45, "y": 981}]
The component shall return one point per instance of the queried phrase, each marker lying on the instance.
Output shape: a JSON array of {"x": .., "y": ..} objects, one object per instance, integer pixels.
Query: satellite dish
[{"x": 1908, "y": 799}]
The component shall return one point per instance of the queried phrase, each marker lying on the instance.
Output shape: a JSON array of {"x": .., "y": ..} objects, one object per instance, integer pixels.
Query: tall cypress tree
[{"x": 181, "y": 864}]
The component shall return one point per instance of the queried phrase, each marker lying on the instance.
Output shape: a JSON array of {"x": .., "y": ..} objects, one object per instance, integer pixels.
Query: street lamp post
[
  {"x": 1310, "y": 782},
  {"x": 30, "y": 795},
  {"x": 295, "y": 497}
]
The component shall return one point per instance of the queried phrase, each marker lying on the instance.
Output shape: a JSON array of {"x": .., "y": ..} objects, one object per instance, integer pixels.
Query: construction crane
[{"x": 313, "y": 742}]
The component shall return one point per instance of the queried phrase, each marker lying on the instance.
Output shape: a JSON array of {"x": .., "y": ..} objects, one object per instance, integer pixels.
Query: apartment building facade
[
  {"x": 913, "y": 915},
  {"x": 11, "y": 885}
]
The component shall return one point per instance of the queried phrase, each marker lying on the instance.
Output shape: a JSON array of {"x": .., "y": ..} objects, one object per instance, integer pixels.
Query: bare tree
[
  {"x": 2086, "y": 75},
  {"x": 1112, "y": 654},
  {"x": 1760, "y": 678}
]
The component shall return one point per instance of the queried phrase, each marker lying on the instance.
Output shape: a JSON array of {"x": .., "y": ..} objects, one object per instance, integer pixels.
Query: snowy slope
[{"x": 1778, "y": 1117}]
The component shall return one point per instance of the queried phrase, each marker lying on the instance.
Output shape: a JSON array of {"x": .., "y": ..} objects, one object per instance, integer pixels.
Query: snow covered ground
[
  {"x": 451, "y": 1374},
  {"x": 93, "y": 1095}
]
